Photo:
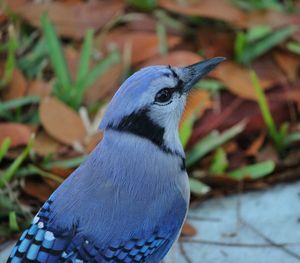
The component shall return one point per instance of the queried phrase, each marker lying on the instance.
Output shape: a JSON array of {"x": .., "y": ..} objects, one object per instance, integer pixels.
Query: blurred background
[{"x": 61, "y": 61}]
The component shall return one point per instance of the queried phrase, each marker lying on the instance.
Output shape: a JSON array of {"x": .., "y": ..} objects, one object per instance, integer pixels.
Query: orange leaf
[
  {"x": 215, "y": 9},
  {"x": 237, "y": 79},
  {"x": 175, "y": 58},
  {"x": 18, "y": 133},
  {"x": 17, "y": 87},
  {"x": 45, "y": 145},
  {"x": 39, "y": 190},
  {"x": 289, "y": 63},
  {"x": 39, "y": 88},
  {"x": 70, "y": 20},
  {"x": 61, "y": 122},
  {"x": 188, "y": 230},
  {"x": 144, "y": 45},
  {"x": 256, "y": 145}
]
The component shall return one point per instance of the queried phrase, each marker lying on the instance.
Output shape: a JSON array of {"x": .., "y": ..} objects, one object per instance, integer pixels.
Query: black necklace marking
[{"x": 140, "y": 124}]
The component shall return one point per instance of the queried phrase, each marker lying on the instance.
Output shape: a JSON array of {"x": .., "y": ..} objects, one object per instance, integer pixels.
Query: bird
[{"x": 129, "y": 198}]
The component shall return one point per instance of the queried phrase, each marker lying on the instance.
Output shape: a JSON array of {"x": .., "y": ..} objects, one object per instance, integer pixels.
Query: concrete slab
[{"x": 259, "y": 227}]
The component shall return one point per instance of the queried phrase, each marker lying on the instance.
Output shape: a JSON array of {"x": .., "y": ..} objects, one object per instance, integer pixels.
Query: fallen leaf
[
  {"x": 45, "y": 145},
  {"x": 188, "y": 230},
  {"x": 39, "y": 88},
  {"x": 175, "y": 58},
  {"x": 215, "y": 9},
  {"x": 61, "y": 122},
  {"x": 38, "y": 189},
  {"x": 256, "y": 145},
  {"x": 93, "y": 141},
  {"x": 272, "y": 18},
  {"x": 289, "y": 63},
  {"x": 17, "y": 87},
  {"x": 237, "y": 79},
  {"x": 143, "y": 45},
  {"x": 70, "y": 20},
  {"x": 214, "y": 42},
  {"x": 106, "y": 85},
  {"x": 197, "y": 102},
  {"x": 18, "y": 133}
]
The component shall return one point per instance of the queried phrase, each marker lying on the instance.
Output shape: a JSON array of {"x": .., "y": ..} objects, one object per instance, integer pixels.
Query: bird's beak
[{"x": 193, "y": 73}]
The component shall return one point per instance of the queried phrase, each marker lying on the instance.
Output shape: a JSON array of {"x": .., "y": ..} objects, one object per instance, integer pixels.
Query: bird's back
[{"x": 125, "y": 203}]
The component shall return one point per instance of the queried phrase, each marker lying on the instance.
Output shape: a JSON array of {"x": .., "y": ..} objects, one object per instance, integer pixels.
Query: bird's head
[{"x": 150, "y": 102}]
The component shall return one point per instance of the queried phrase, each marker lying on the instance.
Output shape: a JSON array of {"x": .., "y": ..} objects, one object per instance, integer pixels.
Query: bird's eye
[{"x": 164, "y": 95}]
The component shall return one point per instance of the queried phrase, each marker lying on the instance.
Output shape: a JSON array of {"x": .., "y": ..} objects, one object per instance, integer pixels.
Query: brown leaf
[
  {"x": 45, "y": 145},
  {"x": 198, "y": 101},
  {"x": 214, "y": 43},
  {"x": 61, "y": 122},
  {"x": 215, "y": 9},
  {"x": 289, "y": 63},
  {"x": 70, "y": 20},
  {"x": 39, "y": 88},
  {"x": 175, "y": 58},
  {"x": 144, "y": 45},
  {"x": 18, "y": 133},
  {"x": 38, "y": 189},
  {"x": 272, "y": 18},
  {"x": 93, "y": 141},
  {"x": 106, "y": 85},
  {"x": 188, "y": 230},
  {"x": 17, "y": 87},
  {"x": 256, "y": 145},
  {"x": 237, "y": 79}
]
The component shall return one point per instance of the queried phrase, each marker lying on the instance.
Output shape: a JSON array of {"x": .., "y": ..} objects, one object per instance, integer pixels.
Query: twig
[
  {"x": 269, "y": 240},
  {"x": 200, "y": 218},
  {"x": 233, "y": 244},
  {"x": 183, "y": 252}
]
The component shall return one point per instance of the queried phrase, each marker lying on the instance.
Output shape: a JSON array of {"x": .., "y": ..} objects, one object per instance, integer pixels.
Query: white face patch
[
  {"x": 167, "y": 115},
  {"x": 40, "y": 225}
]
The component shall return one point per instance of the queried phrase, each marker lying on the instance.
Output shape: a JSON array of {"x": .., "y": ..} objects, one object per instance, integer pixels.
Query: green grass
[
  {"x": 212, "y": 141},
  {"x": 257, "y": 41},
  {"x": 72, "y": 91},
  {"x": 277, "y": 135}
]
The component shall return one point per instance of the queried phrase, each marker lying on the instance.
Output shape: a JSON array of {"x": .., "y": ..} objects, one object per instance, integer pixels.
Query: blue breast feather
[{"x": 37, "y": 244}]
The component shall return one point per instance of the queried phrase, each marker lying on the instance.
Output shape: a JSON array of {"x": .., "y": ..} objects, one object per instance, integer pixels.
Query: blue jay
[{"x": 127, "y": 201}]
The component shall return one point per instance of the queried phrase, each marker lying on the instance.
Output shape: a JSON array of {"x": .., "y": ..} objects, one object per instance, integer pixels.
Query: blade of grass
[
  {"x": 85, "y": 56},
  {"x": 162, "y": 37},
  {"x": 254, "y": 50},
  {"x": 13, "y": 104},
  {"x": 45, "y": 174},
  {"x": 11, "y": 170},
  {"x": 10, "y": 61},
  {"x": 294, "y": 47},
  {"x": 99, "y": 69},
  {"x": 13, "y": 224},
  {"x": 254, "y": 171},
  {"x": 219, "y": 162},
  {"x": 4, "y": 147},
  {"x": 186, "y": 129},
  {"x": 265, "y": 110},
  {"x": 56, "y": 54},
  {"x": 211, "y": 142},
  {"x": 198, "y": 187},
  {"x": 65, "y": 164}
]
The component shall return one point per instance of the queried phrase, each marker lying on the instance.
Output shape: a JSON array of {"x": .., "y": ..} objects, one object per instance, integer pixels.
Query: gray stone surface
[
  {"x": 258, "y": 227},
  {"x": 248, "y": 228}
]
